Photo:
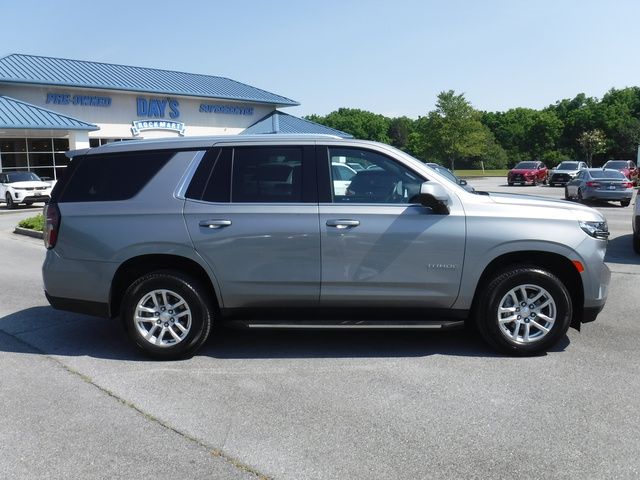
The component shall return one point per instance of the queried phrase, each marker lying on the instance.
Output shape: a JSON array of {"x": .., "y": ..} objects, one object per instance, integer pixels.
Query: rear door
[
  {"x": 252, "y": 214},
  {"x": 379, "y": 248}
]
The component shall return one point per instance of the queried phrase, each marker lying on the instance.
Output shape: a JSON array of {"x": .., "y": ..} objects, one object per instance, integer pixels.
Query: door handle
[
  {"x": 214, "y": 223},
  {"x": 343, "y": 223}
]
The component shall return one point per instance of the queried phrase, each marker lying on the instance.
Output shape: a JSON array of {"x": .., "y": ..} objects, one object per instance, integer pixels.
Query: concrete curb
[{"x": 28, "y": 232}]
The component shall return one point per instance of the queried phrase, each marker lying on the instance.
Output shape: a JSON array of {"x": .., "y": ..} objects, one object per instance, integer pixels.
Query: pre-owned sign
[{"x": 82, "y": 100}]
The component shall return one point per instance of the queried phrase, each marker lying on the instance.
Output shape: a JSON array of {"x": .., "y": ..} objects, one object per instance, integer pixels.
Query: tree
[
  {"x": 525, "y": 133},
  {"x": 400, "y": 130},
  {"x": 592, "y": 142},
  {"x": 453, "y": 130},
  {"x": 359, "y": 123}
]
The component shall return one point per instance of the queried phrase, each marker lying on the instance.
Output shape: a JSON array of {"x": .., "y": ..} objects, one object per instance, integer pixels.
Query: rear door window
[{"x": 267, "y": 175}]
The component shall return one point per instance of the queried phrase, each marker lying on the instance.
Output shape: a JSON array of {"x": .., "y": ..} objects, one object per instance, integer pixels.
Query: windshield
[
  {"x": 616, "y": 164},
  {"x": 611, "y": 174},
  {"x": 419, "y": 164},
  {"x": 526, "y": 165},
  {"x": 445, "y": 172},
  {"x": 22, "y": 177},
  {"x": 568, "y": 166}
]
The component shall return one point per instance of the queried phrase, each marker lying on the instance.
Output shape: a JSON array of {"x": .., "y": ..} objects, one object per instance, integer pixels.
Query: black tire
[
  {"x": 636, "y": 243},
  {"x": 28, "y": 204},
  {"x": 510, "y": 184},
  {"x": 566, "y": 194},
  {"x": 545, "y": 181},
  {"x": 10, "y": 203},
  {"x": 626, "y": 202},
  {"x": 579, "y": 196},
  {"x": 495, "y": 292},
  {"x": 197, "y": 299}
]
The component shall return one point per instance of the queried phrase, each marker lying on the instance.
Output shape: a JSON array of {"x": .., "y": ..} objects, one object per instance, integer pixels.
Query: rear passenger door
[{"x": 252, "y": 214}]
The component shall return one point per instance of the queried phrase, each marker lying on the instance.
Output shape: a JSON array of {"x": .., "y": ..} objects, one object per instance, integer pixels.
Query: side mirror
[
  {"x": 434, "y": 196},
  {"x": 462, "y": 182}
]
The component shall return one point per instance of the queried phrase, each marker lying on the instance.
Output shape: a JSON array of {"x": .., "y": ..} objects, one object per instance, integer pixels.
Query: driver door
[{"x": 380, "y": 249}]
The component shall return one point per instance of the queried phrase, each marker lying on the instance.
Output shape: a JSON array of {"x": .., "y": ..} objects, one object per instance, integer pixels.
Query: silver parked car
[
  {"x": 564, "y": 172},
  {"x": 600, "y": 184},
  {"x": 253, "y": 231}
]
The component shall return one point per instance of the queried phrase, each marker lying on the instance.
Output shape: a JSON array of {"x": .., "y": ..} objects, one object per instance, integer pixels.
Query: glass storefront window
[
  {"x": 61, "y": 160},
  {"x": 40, "y": 145},
  {"x": 13, "y": 160},
  {"x": 40, "y": 159},
  {"x": 60, "y": 144},
  {"x": 12, "y": 145},
  {"x": 44, "y": 173},
  {"x": 60, "y": 171}
]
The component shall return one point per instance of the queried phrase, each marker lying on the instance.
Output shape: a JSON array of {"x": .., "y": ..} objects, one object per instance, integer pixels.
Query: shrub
[{"x": 33, "y": 223}]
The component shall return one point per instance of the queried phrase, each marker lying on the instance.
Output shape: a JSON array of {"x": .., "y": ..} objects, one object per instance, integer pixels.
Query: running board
[{"x": 357, "y": 324}]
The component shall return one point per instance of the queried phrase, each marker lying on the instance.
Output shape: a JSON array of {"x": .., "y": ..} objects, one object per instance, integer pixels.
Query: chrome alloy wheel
[
  {"x": 526, "y": 313},
  {"x": 163, "y": 318}
]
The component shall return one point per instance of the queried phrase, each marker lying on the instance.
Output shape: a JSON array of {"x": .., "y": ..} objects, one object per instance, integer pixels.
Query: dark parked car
[
  {"x": 565, "y": 172},
  {"x": 627, "y": 167},
  {"x": 528, "y": 172},
  {"x": 600, "y": 184}
]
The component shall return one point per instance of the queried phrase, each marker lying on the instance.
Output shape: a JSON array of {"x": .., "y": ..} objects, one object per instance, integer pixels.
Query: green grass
[
  {"x": 33, "y": 223},
  {"x": 480, "y": 173}
]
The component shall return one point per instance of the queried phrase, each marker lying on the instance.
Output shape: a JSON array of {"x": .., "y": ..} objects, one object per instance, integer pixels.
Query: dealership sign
[
  {"x": 142, "y": 125},
  {"x": 81, "y": 100}
]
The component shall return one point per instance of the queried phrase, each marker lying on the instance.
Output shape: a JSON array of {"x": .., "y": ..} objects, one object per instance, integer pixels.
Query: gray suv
[{"x": 177, "y": 236}]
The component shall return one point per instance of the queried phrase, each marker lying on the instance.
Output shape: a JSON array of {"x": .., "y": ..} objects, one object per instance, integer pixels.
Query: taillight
[
  {"x": 51, "y": 224},
  {"x": 593, "y": 184},
  {"x": 627, "y": 184}
]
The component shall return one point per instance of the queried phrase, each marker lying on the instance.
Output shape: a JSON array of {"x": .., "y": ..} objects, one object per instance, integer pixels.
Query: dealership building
[{"x": 51, "y": 105}]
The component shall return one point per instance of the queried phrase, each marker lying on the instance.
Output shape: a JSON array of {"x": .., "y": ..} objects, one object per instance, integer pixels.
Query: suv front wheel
[
  {"x": 524, "y": 310},
  {"x": 167, "y": 314}
]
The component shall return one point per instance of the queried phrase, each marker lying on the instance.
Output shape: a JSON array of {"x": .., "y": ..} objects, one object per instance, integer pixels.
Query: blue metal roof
[
  {"x": 17, "y": 114},
  {"x": 279, "y": 122},
  {"x": 38, "y": 70}
]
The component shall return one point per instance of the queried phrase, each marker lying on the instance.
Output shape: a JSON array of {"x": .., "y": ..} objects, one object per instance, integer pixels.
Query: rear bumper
[
  {"x": 95, "y": 309},
  {"x": 608, "y": 195},
  {"x": 589, "y": 314}
]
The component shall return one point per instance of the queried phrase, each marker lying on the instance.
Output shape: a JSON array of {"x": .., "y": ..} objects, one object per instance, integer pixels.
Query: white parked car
[
  {"x": 565, "y": 172},
  {"x": 23, "y": 187},
  {"x": 342, "y": 175}
]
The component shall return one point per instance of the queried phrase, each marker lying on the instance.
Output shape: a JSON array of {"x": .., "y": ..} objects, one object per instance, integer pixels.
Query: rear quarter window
[{"x": 101, "y": 178}]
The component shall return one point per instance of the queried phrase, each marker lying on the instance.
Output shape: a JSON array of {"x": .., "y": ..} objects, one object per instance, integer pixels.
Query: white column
[{"x": 78, "y": 139}]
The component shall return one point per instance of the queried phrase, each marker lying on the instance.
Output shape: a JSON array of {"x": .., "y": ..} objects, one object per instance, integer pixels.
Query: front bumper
[
  {"x": 32, "y": 198},
  {"x": 561, "y": 179},
  {"x": 520, "y": 179}
]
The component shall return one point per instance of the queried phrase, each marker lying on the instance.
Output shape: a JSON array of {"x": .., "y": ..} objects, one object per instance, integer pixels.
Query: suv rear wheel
[
  {"x": 524, "y": 310},
  {"x": 167, "y": 314}
]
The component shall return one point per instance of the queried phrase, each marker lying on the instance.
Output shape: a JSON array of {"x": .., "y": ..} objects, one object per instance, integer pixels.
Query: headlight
[{"x": 595, "y": 229}]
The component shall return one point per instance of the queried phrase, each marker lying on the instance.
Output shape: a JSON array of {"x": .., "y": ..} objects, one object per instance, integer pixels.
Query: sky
[{"x": 387, "y": 57}]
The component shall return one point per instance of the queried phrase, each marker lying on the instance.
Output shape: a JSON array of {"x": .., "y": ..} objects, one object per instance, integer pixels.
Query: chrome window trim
[{"x": 183, "y": 184}]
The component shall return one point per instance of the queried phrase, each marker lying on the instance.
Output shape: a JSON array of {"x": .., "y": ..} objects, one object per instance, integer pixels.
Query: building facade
[{"x": 51, "y": 105}]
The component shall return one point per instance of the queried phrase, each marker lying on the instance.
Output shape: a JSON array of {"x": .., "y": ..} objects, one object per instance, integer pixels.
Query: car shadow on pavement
[
  {"x": 53, "y": 332},
  {"x": 620, "y": 250}
]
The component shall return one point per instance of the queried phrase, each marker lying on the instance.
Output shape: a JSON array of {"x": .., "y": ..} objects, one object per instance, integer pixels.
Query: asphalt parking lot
[{"x": 79, "y": 402}]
